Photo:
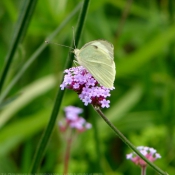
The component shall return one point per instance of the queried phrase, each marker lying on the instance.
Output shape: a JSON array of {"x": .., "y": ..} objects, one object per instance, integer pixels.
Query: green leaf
[
  {"x": 20, "y": 130},
  {"x": 28, "y": 94}
]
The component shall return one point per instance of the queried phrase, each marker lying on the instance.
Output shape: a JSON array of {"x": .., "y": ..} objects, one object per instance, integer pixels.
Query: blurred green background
[{"x": 142, "y": 104}]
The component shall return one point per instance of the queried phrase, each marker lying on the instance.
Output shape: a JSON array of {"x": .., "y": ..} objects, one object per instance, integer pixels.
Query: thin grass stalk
[
  {"x": 38, "y": 52},
  {"x": 47, "y": 134},
  {"x": 123, "y": 18},
  {"x": 21, "y": 27},
  {"x": 171, "y": 5},
  {"x": 128, "y": 143}
]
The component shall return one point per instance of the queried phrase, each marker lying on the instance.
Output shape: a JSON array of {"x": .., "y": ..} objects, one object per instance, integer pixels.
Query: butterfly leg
[{"x": 76, "y": 63}]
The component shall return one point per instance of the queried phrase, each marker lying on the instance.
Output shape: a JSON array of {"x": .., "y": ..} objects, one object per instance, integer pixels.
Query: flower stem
[
  {"x": 143, "y": 170},
  {"x": 67, "y": 154},
  {"x": 128, "y": 143}
]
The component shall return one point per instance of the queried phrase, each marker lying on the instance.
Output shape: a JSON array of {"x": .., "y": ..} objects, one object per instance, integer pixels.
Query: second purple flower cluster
[{"x": 73, "y": 120}]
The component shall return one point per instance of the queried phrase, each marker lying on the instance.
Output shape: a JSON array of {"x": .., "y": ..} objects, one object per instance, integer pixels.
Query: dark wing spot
[{"x": 95, "y": 46}]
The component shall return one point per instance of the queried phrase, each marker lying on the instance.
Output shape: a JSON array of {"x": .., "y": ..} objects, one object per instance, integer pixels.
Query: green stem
[
  {"x": 47, "y": 134},
  {"x": 23, "y": 22},
  {"x": 128, "y": 143}
]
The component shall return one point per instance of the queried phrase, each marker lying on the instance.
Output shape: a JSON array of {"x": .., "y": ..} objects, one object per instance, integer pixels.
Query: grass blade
[
  {"x": 37, "y": 53},
  {"x": 46, "y": 136},
  {"x": 28, "y": 94},
  {"x": 20, "y": 31}
]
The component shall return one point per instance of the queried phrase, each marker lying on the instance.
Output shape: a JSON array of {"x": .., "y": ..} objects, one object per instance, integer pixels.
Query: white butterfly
[{"x": 98, "y": 58}]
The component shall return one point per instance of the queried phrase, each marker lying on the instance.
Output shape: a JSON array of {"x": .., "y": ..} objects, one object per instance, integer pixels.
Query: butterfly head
[{"x": 76, "y": 51}]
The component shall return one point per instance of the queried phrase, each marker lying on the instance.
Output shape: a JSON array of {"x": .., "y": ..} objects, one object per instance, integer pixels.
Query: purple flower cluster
[
  {"x": 88, "y": 89},
  {"x": 73, "y": 120},
  {"x": 150, "y": 153}
]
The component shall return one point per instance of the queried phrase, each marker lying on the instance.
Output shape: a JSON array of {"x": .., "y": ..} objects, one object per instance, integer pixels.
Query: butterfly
[{"x": 98, "y": 58}]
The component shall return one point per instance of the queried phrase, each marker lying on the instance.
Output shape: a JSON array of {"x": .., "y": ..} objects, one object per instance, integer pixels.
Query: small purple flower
[
  {"x": 73, "y": 120},
  {"x": 76, "y": 86},
  {"x": 72, "y": 112},
  {"x": 68, "y": 79},
  {"x": 106, "y": 93},
  {"x": 88, "y": 126},
  {"x": 105, "y": 103},
  {"x": 62, "y": 86},
  {"x": 150, "y": 153},
  {"x": 87, "y": 88},
  {"x": 91, "y": 82},
  {"x": 87, "y": 100}
]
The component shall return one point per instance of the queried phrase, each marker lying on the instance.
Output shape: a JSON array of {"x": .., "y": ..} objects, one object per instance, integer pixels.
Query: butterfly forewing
[
  {"x": 97, "y": 58},
  {"x": 107, "y": 47}
]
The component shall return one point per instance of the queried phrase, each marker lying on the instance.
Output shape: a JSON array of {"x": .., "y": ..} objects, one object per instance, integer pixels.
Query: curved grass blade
[
  {"x": 21, "y": 27},
  {"x": 28, "y": 93},
  {"x": 8, "y": 101},
  {"x": 37, "y": 53}
]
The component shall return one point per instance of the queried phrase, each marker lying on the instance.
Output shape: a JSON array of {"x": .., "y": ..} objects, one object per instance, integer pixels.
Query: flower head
[
  {"x": 88, "y": 89},
  {"x": 73, "y": 120},
  {"x": 150, "y": 153}
]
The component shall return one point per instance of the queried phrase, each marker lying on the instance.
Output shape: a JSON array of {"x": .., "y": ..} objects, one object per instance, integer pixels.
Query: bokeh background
[{"x": 142, "y": 104}]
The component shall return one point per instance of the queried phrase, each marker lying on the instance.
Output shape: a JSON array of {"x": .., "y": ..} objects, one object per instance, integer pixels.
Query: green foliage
[{"x": 142, "y": 104}]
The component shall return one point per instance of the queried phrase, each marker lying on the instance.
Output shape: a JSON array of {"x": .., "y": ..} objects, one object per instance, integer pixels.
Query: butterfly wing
[
  {"x": 104, "y": 45},
  {"x": 97, "y": 58}
]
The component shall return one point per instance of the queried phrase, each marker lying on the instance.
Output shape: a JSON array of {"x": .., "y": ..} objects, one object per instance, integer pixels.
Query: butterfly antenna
[
  {"x": 73, "y": 36},
  {"x": 47, "y": 42}
]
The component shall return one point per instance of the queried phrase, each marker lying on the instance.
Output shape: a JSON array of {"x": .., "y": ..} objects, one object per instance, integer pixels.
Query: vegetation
[{"x": 142, "y": 106}]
